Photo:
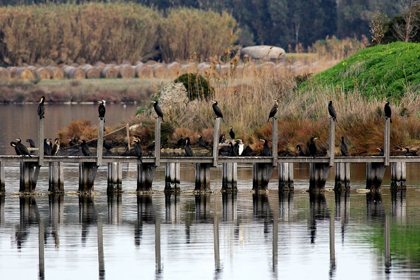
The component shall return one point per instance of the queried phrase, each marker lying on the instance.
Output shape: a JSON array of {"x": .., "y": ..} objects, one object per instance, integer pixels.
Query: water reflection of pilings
[
  {"x": 399, "y": 205},
  {"x": 202, "y": 205},
  {"x": 230, "y": 206},
  {"x": 374, "y": 207},
  {"x": 87, "y": 214},
  {"x": 319, "y": 211},
  {"x": 114, "y": 208},
  {"x": 286, "y": 204},
  {"x": 145, "y": 213},
  {"x": 29, "y": 215},
  {"x": 261, "y": 206},
  {"x": 2, "y": 202},
  {"x": 172, "y": 207},
  {"x": 56, "y": 207},
  {"x": 342, "y": 208}
]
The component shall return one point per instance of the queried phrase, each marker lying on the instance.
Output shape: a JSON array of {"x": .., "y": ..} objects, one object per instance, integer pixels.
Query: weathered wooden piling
[
  {"x": 332, "y": 141},
  {"x": 318, "y": 175},
  {"x": 202, "y": 176},
  {"x": 2, "y": 201},
  {"x": 230, "y": 206},
  {"x": 114, "y": 177},
  {"x": 285, "y": 176},
  {"x": 145, "y": 174},
  {"x": 374, "y": 175},
  {"x": 342, "y": 175},
  {"x": 100, "y": 142},
  {"x": 157, "y": 141},
  {"x": 29, "y": 172},
  {"x": 2, "y": 179},
  {"x": 387, "y": 140},
  {"x": 56, "y": 177},
  {"x": 172, "y": 176},
  {"x": 398, "y": 175},
  {"x": 261, "y": 176},
  {"x": 41, "y": 142},
  {"x": 114, "y": 208},
  {"x": 275, "y": 141},
  {"x": 230, "y": 177},
  {"x": 216, "y": 141},
  {"x": 87, "y": 173}
]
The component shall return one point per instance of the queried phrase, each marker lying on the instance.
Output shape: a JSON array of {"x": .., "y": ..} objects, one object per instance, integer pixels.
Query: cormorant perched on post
[
  {"x": 343, "y": 147},
  {"x": 22, "y": 148},
  {"x": 222, "y": 138},
  {"x": 273, "y": 111},
  {"x": 157, "y": 109},
  {"x": 85, "y": 148},
  {"x": 332, "y": 112},
  {"x": 217, "y": 110},
  {"x": 409, "y": 153},
  {"x": 188, "y": 150},
  {"x": 231, "y": 133},
  {"x": 41, "y": 109},
  {"x": 381, "y": 152},
  {"x": 247, "y": 151},
  {"x": 47, "y": 148},
  {"x": 55, "y": 147},
  {"x": 301, "y": 153},
  {"x": 267, "y": 150},
  {"x": 31, "y": 143},
  {"x": 101, "y": 109},
  {"x": 202, "y": 143},
  {"x": 13, "y": 144},
  {"x": 312, "y": 147},
  {"x": 387, "y": 110},
  {"x": 138, "y": 150}
]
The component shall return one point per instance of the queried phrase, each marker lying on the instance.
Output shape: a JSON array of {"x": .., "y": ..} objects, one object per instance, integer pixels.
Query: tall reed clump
[
  {"x": 188, "y": 31},
  {"x": 77, "y": 33}
]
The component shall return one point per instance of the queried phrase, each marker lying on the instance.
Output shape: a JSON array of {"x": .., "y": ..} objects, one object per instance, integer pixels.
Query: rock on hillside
[{"x": 264, "y": 52}]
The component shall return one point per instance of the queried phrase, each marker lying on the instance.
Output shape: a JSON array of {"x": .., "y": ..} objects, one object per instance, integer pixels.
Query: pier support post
[
  {"x": 275, "y": 140},
  {"x": 398, "y": 176},
  {"x": 87, "y": 173},
  {"x": 342, "y": 175},
  {"x": 318, "y": 174},
  {"x": 157, "y": 141},
  {"x": 114, "y": 177},
  {"x": 100, "y": 142},
  {"x": 387, "y": 140},
  {"x": 230, "y": 177},
  {"x": 56, "y": 177},
  {"x": 172, "y": 176},
  {"x": 145, "y": 174},
  {"x": 29, "y": 172},
  {"x": 332, "y": 141},
  {"x": 216, "y": 141},
  {"x": 41, "y": 142},
  {"x": 2, "y": 179},
  {"x": 285, "y": 176},
  {"x": 202, "y": 176},
  {"x": 374, "y": 175},
  {"x": 261, "y": 176}
]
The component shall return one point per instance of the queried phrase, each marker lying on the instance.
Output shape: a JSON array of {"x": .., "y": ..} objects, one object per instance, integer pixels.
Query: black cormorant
[
  {"x": 343, "y": 147},
  {"x": 273, "y": 111},
  {"x": 301, "y": 153},
  {"x": 217, "y": 110},
  {"x": 332, "y": 112},
  {"x": 31, "y": 143},
  {"x": 266, "y": 150},
  {"x": 138, "y": 150},
  {"x": 202, "y": 143},
  {"x": 247, "y": 151},
  {"x": 409, "y": 153},
  {"x": 85, "y": 148},
  {"x": 235, "y": 149},
  {"x": 188, "y": 150},
  {"x": 73, "y": 142},
  {"x": 22, "y": 148},
  {"x": 47, "y": 148},
  {"x": 241, "y": 147},
  {"x": 381, "y": 152},
  {"x": 181, "y": 142},
  {"x": 157, "y": 109},
  {"x": 312, "y": 147},
  {"x": 231, "y": 133},
  {"x": 101, "y": 109},
  {"x": 226, "y": 150},
  {"x": 151, "y": 146},
  {"x": 41, "y": 109},
  {"x": 13, "y": 144},
  {"x": 387, "y": 110},
  {"x": 222, "y": 138},
  {"x": 55, "y": 147},
  {"x": 107, "y": 146}
]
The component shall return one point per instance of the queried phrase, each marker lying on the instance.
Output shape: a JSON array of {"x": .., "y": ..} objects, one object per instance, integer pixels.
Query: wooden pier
[{"x": 263, "y": 167}]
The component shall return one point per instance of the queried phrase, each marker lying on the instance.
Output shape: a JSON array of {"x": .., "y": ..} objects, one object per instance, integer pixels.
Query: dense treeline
[
  {"x": 279, "y": 22},
  {"x": 94, "y": 32}
]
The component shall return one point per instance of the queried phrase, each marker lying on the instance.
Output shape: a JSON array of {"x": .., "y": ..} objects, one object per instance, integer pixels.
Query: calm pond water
[{"x": 274, "y": 236}]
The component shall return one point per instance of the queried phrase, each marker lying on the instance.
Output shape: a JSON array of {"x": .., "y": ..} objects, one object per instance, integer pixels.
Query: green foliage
[
  {"x": 197, "y": 86},
  {"x": 140, "y": 110},
  {"x": 380, "y": 71}
]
